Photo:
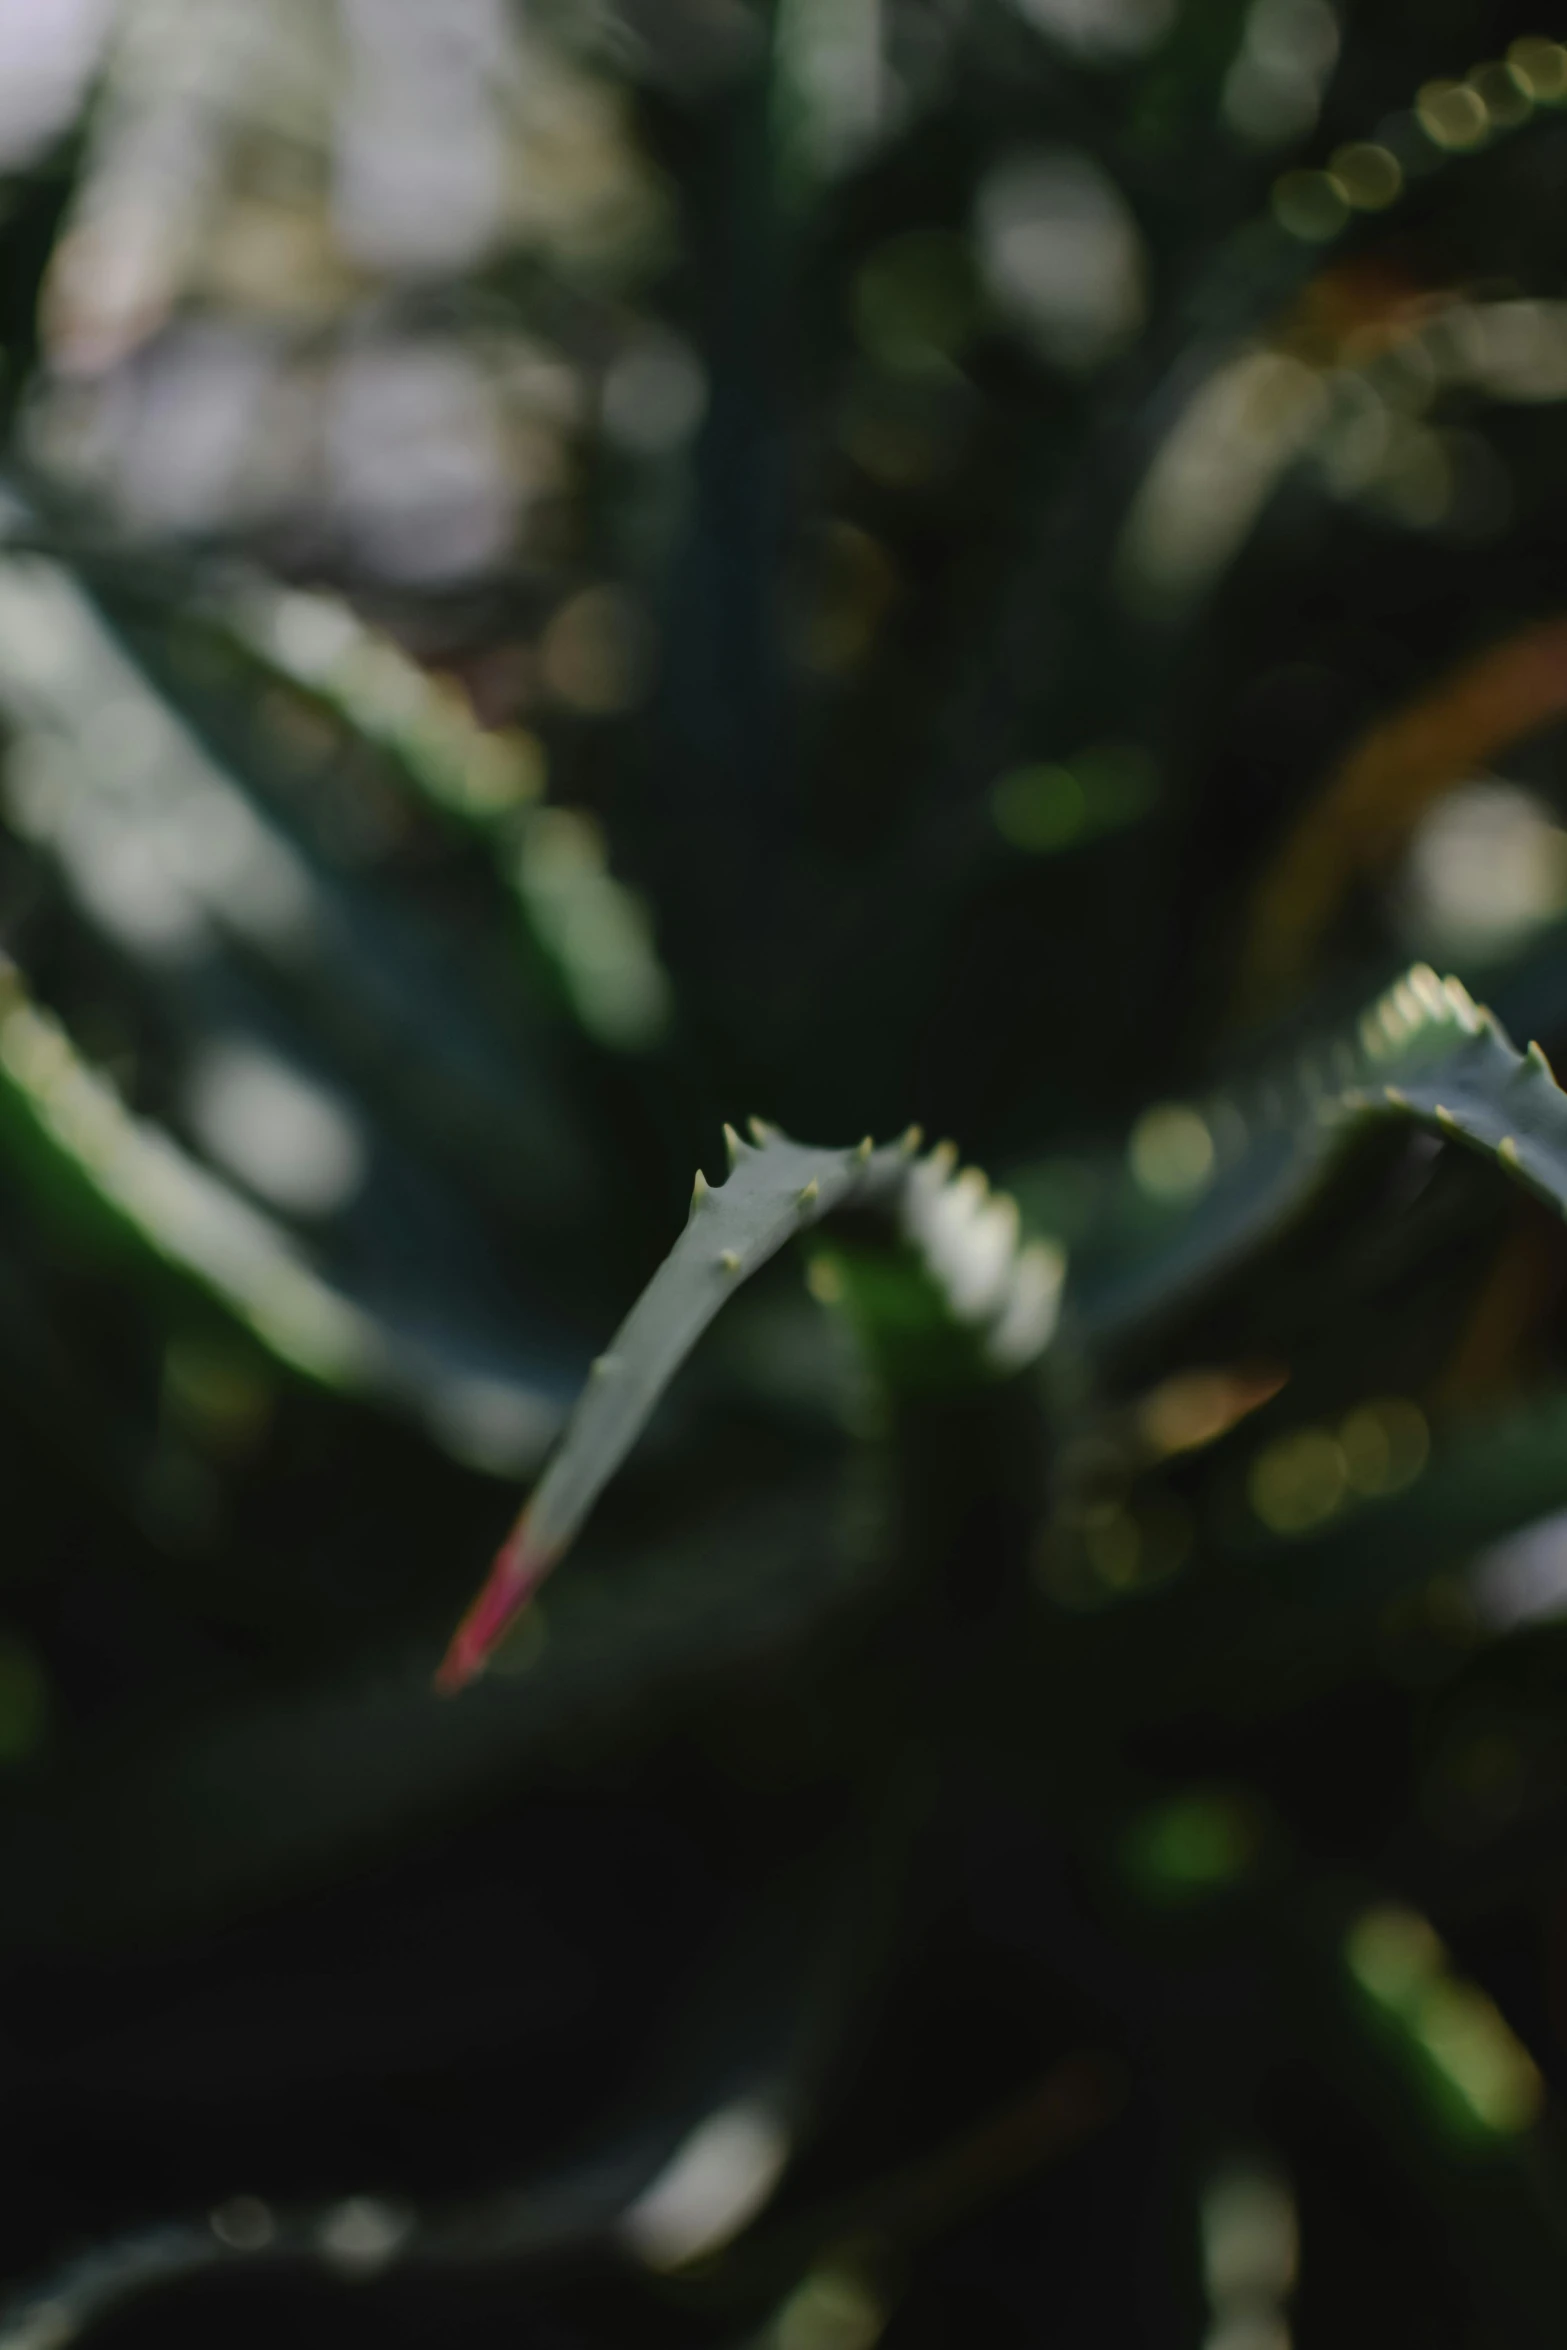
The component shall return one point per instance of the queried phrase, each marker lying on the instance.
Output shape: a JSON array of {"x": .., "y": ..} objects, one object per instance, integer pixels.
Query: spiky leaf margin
[
  {"x": 967, "y": 1241},
  {"x": 1425, "y": 1055}
]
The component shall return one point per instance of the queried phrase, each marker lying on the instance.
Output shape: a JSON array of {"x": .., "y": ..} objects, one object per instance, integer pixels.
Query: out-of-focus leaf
[
  {"x": 164, "y": 850},
  {"x": 550, "y": 861},
  {"x": 1206, "y": 1184},
  {"x": 737, "y": 2071},
  {"x": 123, "y": 1181}
]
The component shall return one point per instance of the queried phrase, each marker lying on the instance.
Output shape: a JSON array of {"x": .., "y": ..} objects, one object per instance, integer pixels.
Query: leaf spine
[
  {"x": 729, "y": 1260},
  {"x": 699, "y": 1189},
  {"x": 761, "y": 1131},
  {"x": 1537, "y": 1060},
  {"x": 974, "y": 1186},
  {"x": 733, "y": 1145},
  {"x": 1429, "y": 991},
  {"x": 1507, "y": 1151},
  {"x": 1465, "y": 1010},
  {"x": 810, "y": 1195}
]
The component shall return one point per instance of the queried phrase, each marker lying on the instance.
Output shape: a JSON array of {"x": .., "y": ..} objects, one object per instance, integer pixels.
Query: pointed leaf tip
[
  {"x": 733, "y": 1145},
  {"x": 520, "y": 1567}
]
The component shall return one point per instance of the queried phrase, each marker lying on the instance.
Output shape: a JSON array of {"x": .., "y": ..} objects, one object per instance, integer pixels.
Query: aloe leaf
[
  {"x": 585, "y": 925},
  {"x": 68, "y": 2304},
  {"x": 124, "y": 1182},
  {"x": 967, "y": 1242},
  {"x": 1424, "y": 1056},
  {"x": 738, "y": 2052},
  {"x": 1402, "y": 2036},
  {"x": 487, "y": 1363},
  {"x": 232, "y": 658},
  {"x": 777, "y": 1189},
  {"x": 185, "y": 854}
]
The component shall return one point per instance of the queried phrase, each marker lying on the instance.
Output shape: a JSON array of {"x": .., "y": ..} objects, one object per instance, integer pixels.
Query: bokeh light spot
[
  {"x": 1398, "y": 1959},
  {"x": 1487, "y": 867},
  {"x": 1504, "y": 94},
  {"x": 833, "y": 2309},
  {"x": 1297, "y": 1483},
  {"x": 1276, "y": 79},
  {"x": 1541, "y": 67},
  {"x": 653, "y": 396},
  {"x": 1039, "y": 808},
  {"x": 1195, "y": 1408},
  {"x": 1385, "y": 1445},
  {"x": 1195, "y": 1844},
  {"x": 1452, "y": 114},
  {"x": 1250, "y": 2239},
  {"x": 244, "y": 2223},
  {"x": 1060, "y": 252},
  {"x": 1368, "y": 177},
  {"x": 716, "y": 2181},
  {"x": 596, "y": 653},
  {"x": 1310, "y": 205},
  {"x": 1171, "y": 1152},
  {"x": 1108, "y": 32},
  {"x": 290, "y": 1139}
]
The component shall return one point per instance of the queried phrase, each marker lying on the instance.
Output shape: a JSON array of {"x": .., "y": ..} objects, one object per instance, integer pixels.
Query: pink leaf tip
[{"x": 520, "y": 1567}]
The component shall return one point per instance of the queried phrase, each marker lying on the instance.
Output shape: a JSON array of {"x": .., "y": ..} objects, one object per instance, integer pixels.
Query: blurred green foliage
[{"x": 572, "y": 574}]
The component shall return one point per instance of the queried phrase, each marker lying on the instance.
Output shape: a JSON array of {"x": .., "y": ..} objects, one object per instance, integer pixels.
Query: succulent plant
[{"x": 984, "y": 565}]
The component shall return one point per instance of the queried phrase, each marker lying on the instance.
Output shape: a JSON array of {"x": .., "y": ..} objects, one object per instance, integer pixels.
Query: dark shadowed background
[{"x": 576, "y": 570}]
